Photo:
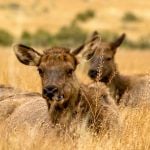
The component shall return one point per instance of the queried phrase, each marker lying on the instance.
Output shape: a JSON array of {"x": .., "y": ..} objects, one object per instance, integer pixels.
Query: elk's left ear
[
  {"x": 118, "y": 42},
  {"x": 78, "y": 49},
  {"x": 27, "y": 55}
]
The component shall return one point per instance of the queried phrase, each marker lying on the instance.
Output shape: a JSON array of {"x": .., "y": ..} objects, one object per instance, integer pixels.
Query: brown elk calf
[
  {"x": 129, "y": 90},
  {"x": 67, "y": 100}
]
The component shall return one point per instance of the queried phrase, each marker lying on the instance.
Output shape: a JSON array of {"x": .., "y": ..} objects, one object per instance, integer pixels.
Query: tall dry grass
[
  {"x": 17, "y": 75},
  {"x": 135, "y": 129},
  {"x": 134, "y": 135}
]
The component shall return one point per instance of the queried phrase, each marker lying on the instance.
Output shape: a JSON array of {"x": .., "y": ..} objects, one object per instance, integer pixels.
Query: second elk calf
[{"x": 126, "y": 90}]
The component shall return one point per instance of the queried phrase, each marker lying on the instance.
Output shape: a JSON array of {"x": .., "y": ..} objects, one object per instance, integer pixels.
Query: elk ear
[
  {"x": 118, "y": 42},
  {"x": 78, "y": 49},
  {"x": 27, "y": 55},
  {"x": 94, "y": 36}
]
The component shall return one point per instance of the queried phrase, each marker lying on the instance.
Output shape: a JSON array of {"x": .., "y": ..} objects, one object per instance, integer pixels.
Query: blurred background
[
  {"x": 65, "y": 22},
  {"x": 45, "y": 23}
]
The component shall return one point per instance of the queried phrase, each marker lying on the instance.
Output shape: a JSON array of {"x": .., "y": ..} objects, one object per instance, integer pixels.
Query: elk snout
[
  {"x": 50, "y": 92},
  {"x": 92, "y": 73}
]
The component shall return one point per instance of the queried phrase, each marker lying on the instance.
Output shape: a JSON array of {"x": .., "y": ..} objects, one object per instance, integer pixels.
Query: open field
[
  {"x": 51, "y": 15},
  {"x": 135, "y": 133}
]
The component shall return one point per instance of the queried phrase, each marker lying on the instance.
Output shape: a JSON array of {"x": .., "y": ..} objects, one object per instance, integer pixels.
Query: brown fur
[
  {"x": 11, "y": 99},
  {"x": 77, "y": 105},
  {"x": 130, "y": 90}
]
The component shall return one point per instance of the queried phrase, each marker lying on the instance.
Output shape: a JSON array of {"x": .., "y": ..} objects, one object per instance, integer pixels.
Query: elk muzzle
[
  {"x": 92, "y": 73},
  {"x": 51, "y": 92}
]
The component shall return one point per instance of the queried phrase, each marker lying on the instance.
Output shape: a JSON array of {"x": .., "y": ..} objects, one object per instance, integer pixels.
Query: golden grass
[
  {"x": 135, "y": 131},
  {"x": 134, "y": 135},
  {"x": 18, "y": 75}
]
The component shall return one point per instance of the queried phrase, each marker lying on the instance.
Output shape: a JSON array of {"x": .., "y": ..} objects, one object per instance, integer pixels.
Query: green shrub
[
  {"x": 85, "y": 16},
  {"x": 26, "y": 38},
  {"x": 141, "y": 43},
  {"x": 144, "y": 42},
  {"x": 130, "y": 17},
  {"x": 39, "y": 38},
  {"x": 129, "y": 44},
  {"x": 70, "y": 36},
  {"x": 6, "y": 39},
  {"x": 108, "y": 36},
  {"x": 42, "y": 38}
]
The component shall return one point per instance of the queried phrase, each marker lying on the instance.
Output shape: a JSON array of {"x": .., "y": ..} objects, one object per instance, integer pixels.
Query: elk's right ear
[
  {"x": 118, "y": 41},
  {"x": 94, "y": 34},
  {"x": 27, "y": 55}
]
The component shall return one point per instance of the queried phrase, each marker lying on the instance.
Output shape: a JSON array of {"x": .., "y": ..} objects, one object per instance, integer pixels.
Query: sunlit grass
[
  {"x": 135, "y": 128},
  {"x": 135, "y": 134}
]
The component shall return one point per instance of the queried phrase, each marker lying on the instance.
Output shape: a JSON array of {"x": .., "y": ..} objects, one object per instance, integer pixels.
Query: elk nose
[
  {"x": 50, "y": 91},
  {"x": 92, "y": 73}
]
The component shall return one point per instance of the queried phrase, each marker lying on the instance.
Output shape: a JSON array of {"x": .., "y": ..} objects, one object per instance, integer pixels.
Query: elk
[
  {"x": 12, "y": 103},
  {"x": 100, "y": 56},
  {"x": 66, "y": 99}
]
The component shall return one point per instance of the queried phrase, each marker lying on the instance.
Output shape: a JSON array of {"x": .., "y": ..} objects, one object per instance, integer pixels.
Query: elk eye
[
  {"x": 40, "y": 71},
  {"x": 89, "y": 56},
  {"x": 70, "y": 71},
  {"x": 108, "y": 59}
]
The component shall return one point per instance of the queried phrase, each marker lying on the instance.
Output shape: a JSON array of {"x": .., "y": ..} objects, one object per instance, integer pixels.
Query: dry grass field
[
  {"x": 135, "y": 135},
  {"x": 135, "y": 132},
  {"x": 50, "y": 15}
]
